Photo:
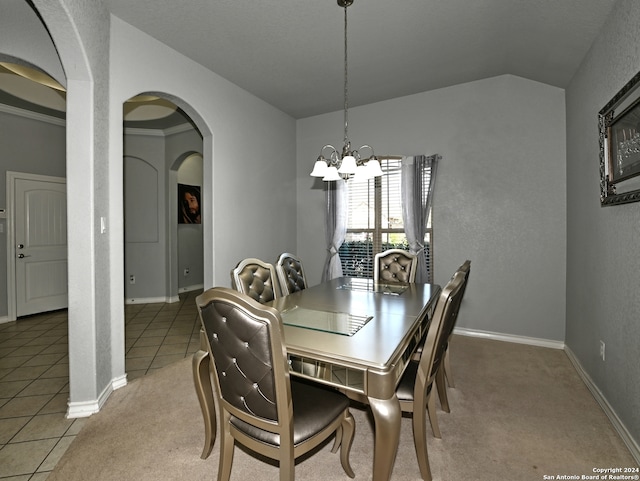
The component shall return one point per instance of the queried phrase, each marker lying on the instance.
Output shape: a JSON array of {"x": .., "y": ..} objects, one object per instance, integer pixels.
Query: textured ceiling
[{"x": 290, "y": 52}]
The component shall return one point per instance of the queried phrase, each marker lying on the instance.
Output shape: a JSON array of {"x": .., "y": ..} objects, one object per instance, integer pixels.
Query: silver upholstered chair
[
  {"x": 261, "y": 407},
  {"x": 257, "y": 279},
  {"x": 415, "y": 390},
  {"x": 447, "y": 375},
  {"x": 395, "y": 266},
  {"x": 290, "y": 274}
]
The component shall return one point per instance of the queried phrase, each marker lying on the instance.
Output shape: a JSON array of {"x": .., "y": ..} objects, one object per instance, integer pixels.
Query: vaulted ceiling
[{"x": 290, "y": 52}]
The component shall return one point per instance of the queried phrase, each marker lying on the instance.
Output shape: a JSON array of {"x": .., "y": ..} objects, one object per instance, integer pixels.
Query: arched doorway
[
  {"x": 163, "y": 258},
  {"x": 32, "y": 111}
]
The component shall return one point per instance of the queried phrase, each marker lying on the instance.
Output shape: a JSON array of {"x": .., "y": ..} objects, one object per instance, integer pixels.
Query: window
[{"x": 375, "y": 221}]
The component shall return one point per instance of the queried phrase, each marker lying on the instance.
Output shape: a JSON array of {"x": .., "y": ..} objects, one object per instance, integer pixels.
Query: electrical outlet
[
  {"x": 132, "y": 279},
  {"x": 186, "y": 272},
  {"x": 602, "y": 350}
]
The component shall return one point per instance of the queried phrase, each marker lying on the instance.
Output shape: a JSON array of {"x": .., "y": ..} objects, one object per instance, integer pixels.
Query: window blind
[{"x": 375, "y": 221}]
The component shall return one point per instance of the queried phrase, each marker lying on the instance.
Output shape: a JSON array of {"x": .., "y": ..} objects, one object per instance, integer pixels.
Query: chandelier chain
[
  {"x": 346, "y": 82},
  {"x": 348, "y": 163}
]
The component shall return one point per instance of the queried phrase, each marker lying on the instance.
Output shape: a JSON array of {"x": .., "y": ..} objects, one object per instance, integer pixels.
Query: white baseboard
[
  {"x": 532, "y": 341},
  {"x": 119, "y": 382},
  {"x": 85, "y": 409},
  {"x": 620, "y": 428},
  {"x": 168, "y": 300},
  {"x": 195, "y": 287},
  {"x": 4, "y": 319},
  {"x": 146, "y": 300}
]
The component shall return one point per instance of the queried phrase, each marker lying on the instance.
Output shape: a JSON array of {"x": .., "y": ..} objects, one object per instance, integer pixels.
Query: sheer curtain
[
  {"x": 335, "y": 228},
  {"x": 416, "y": 204}
]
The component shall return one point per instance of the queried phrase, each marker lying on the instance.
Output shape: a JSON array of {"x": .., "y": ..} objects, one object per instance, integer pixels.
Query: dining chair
[
  {"x": 415, "y": 390},
  {"x": 446, "y": 376},
  {"x": 260, "y": 406},
  {"x": 257, "y": 279},
  {"x": 466, "y": 269},
  {"x": 395, "y": 266},
  {"x": 290, "y": 274}
]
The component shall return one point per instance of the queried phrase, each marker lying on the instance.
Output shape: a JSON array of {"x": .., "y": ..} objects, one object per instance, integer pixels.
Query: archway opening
[{"x": 163, "y": 257}]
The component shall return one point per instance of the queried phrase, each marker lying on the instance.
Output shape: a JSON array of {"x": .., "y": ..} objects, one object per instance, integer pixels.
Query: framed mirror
[{"x": 619, "y": 125}]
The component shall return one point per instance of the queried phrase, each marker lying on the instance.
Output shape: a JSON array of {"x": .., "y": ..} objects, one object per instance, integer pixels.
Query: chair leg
[
  {"x": 287, "y": 463},
  {"x": 338, "y": 440},
  {"x": 227, "y": 444},
  {"x": 420, "y": 441},
  {"x": 442, "y": 389},
  {"x": 431, "y": 409},
  {"x": 447, "y": 368},
  {"x": 348, "y": 429},
  {"x": 202, "y": 380}
]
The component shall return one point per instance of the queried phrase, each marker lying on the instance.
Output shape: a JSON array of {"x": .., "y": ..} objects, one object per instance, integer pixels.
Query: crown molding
[
  {"x": 159, "y": 132},
  {"x": 8, "y": 109},
  {"x": 147, "y": 132}
]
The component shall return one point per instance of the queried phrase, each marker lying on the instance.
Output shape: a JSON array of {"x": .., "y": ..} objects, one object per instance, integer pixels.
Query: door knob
[
  {"x": 22, "y": 256},
  {"x": 20, "y": 246}
]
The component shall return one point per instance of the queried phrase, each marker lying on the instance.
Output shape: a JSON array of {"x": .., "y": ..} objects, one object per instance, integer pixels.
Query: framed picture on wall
[
  {"x": 189, "y": 204},
  {"x": 619, "y": 125}
]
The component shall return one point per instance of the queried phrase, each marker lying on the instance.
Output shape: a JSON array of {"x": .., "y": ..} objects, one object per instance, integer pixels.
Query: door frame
[{"x": 12, "y": 177}]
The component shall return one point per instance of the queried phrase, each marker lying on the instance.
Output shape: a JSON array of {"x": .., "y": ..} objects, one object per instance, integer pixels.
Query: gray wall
[
  {"x": 603, "y": 266},
  {"x": 499, "y": 195},
  {"x": 190, "y": 235},
  {"x": 237, "y": 177},
  {"x": 145, "y": 216},
  {"x": 28, "y": 145},
  {"x": 184, "y": 161},
  {"x": 36, "y": 144},
  {"x": 106, "y": 62},
  {"x": 156, "y": 248}
]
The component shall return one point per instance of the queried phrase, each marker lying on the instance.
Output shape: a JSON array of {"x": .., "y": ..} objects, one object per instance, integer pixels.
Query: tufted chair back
[
  {"x": 395, "y": 266},
  {"x": 243, "y": 356},
  {"x": 290, "y": 274},
  {"x": 260, "y": 406},
  {"x": 257, "y": 279}
]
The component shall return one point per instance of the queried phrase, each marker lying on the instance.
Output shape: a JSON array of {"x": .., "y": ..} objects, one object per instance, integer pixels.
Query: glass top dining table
[
  {"x": 358, "y": 336},
  {"x": 355, "y": 335}
]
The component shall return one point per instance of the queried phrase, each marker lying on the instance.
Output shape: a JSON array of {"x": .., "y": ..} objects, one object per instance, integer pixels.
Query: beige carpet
[{"x": 517, "y": 413}]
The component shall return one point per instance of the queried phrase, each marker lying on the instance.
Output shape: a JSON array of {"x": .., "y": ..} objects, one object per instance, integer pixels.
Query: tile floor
[{"x": 34, "y": 384}]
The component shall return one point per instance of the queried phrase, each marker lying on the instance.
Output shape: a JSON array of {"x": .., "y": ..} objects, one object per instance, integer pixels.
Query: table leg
[
  {"x": 387, "y": 416},
  {"x": 202, "y": 380}
]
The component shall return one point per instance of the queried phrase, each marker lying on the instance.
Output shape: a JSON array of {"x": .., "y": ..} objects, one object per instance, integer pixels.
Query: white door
[{"x": 40, "y": 245}]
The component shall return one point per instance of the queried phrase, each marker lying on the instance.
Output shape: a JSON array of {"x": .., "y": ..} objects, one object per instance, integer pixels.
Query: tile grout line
[{"x": 26, "y": 331}]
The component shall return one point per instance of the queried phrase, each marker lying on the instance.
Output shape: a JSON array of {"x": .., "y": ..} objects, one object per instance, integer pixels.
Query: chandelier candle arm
[{"x": 346, "y": 164}]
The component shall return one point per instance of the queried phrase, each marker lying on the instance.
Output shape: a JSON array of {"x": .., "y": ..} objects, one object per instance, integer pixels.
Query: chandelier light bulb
[
  {"x": 373, "y": 167},
  {"x": 348, "y": 165},
  {"x": 319, "y": 168},
  {"x": 332, "y": 174}
]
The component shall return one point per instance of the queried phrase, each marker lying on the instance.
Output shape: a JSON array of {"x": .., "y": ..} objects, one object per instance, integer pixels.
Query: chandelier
[{"x": 348, "y": 163}]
